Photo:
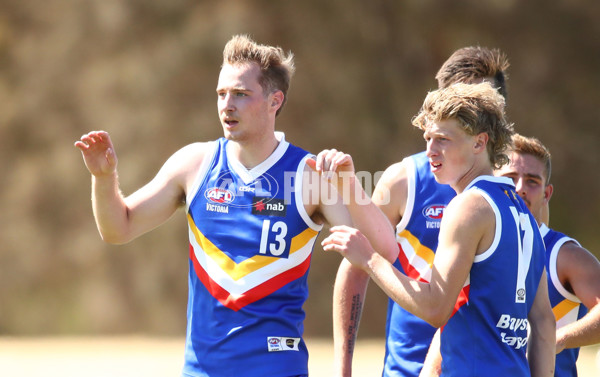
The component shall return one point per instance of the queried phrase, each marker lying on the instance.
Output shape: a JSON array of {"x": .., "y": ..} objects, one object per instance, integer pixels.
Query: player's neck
[
  {"x": 476, "y": 171},
  {"x": 252, "y": 153}
]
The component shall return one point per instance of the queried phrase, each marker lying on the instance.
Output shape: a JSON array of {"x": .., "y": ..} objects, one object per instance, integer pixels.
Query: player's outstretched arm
[
  {"x": 460, "y": 237},
  {"x": 366, "y": 216},
  {"x": 121, "y": 219},
  {"x": 109, "y": 207}
]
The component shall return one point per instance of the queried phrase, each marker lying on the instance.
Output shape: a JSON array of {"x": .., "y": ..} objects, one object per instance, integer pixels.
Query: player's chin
[{"x": 439, "y": 177}]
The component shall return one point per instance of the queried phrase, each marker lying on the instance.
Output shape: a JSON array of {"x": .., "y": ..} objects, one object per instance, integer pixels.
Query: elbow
[
  {"x": 437, "y": 321},
  {"x": 437, "y": 316},
  {"x": 113, "y": 239}
]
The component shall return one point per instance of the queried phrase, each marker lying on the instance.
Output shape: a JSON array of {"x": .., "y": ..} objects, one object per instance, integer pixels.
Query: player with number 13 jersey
[{"x": 250, "y": 250}]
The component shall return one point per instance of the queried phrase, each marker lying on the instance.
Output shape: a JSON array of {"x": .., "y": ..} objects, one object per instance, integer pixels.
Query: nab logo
[
  {"x": 264, "y": 206},
  {"x": 434, "y": 212},
  {"x": 219, "y": 195}
]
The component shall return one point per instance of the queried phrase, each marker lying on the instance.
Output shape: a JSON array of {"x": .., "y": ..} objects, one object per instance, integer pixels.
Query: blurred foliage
[{"x": 146, "y": 71}]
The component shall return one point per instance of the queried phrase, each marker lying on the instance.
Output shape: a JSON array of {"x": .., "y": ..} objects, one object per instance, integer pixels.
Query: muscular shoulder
[
  {"x": 469, "y": 215},
  {"x": 575, "y": 261},
  {"x": 470, "y": 206},
  {"x": 396, "y": 176},
  {"x": 184, "y": 163}
]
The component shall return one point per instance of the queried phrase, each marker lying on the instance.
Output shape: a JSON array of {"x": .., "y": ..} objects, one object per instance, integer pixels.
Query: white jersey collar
[{"x": 249, "y": 175}]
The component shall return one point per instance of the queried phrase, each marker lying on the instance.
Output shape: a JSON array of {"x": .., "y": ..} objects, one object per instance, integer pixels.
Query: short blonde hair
[
  {"x": 533, "y": 146},
  {"x": 478, "y": 108},
  {"x": 276, "y": 67}
]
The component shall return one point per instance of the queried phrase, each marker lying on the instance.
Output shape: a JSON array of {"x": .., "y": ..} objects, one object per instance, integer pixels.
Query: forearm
[
  {"x": 348, "y": 299},
  {"x": 110, "y": 210},
  {"x": 370, "y": 220},
  {"x": 581, "y": 333},
  {"x": 541, "y": 346},
  {"x": 418, "y": 298},
  {"x": 432, "y": 366}
]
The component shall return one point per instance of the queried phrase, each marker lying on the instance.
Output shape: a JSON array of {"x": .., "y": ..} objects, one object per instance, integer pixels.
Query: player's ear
[
  {"x": 481, "y": 141},
  {"x": 548, "y": 190},
  {"x": 276, "y": 99}
]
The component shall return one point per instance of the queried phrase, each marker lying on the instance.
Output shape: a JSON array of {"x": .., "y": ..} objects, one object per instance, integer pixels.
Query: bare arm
[
  {"x": 461, "y": 237},
  {"x": 121, "y": 219},
  {"x": 366, "y": 216},
  {"x": 351, "y": 282},
  {"x": 432, "y": 367},
  {"x": 579, "y": 272},
  {"x": 541, "y": 344},
  {"x": 349, "y": 293}
]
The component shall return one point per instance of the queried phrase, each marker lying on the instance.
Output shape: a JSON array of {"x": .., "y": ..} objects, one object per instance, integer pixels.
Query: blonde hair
[
  {"x": 276, "y": 67},
  {"x": 471, "y": 64},
  {"x": 478, "y": 108},
  {"x": 533, "y": 146}
]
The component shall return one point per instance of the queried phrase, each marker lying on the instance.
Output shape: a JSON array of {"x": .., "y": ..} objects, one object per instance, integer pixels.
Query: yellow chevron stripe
[
  {"x": 238, "y": 270},
  {"x": 422, "y": 251},
  {"x": 563, "y": 307}
]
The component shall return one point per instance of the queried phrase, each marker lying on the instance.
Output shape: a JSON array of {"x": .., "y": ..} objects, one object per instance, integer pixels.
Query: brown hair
[
  {"x": 533, "y": 146},
  {"x": 478, "y": 108},
  {"x": 276, "y": 67},
  {"x": 469, "y": 65}
]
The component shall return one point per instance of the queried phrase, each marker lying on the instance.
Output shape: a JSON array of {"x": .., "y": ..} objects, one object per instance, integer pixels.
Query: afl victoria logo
[
  {"x": 219, "y": 195},
  {"x": 434, "y": 212}
]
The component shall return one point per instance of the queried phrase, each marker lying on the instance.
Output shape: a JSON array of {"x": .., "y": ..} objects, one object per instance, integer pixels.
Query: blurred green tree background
[{"x": 146, "y": 71}]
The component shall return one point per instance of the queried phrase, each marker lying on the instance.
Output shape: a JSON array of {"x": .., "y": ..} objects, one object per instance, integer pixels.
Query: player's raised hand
[{"x": 98, "y": 153}]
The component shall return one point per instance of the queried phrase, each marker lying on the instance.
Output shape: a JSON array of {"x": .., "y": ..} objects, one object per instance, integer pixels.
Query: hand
[
  {"x": 351, "y": 244},
  {"x": 98, "y": 153},
  {"x": 331, "y": 161}
]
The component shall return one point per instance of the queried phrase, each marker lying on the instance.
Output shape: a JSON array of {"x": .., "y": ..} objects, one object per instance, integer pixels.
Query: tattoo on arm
[{"x": 355, "y": 313}]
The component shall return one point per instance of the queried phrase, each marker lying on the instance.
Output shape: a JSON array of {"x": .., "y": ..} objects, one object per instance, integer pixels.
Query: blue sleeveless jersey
[
  {"x": 487, "y": 334},
  {"x": 250, "y": 249},
  {"x": 566, "y": 306},
  {"x": 407, "y": 336}
]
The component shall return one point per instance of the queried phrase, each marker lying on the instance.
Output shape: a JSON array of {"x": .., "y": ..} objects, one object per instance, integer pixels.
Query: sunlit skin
[
  {"x": 453, "y": 154},
  {"x": 246, "y": 112},
  {"x": 528, "y": 174}
]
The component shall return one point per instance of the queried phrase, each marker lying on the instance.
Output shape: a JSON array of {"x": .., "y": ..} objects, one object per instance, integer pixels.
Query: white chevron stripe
[
  {"x": 415, "y": 260},
  {"x": 255, "y": 278}
]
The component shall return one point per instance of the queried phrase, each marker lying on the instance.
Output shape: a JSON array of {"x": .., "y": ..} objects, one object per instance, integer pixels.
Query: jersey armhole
[
  {"x": 553, "y": 271},
  {"x": 411, "y": 173},
  {"x": 298, "y": 195},
  {"x": 488, "y": 253},
  {"x": 202, "y": 172}
]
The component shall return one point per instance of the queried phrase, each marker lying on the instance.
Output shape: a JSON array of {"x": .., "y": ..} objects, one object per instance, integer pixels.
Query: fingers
[
  {"x": 324, "y": 160},
  {"x": 330, "y": 160},
  {"x": 312, "y": 163},
  {"x": 334, "y": 242},
  {"x": 93, "y": 138},
  {"x": 339, "y": 237}
]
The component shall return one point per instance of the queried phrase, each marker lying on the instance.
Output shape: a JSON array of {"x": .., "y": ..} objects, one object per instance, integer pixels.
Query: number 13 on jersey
[{"x": 272, "y": 240}]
